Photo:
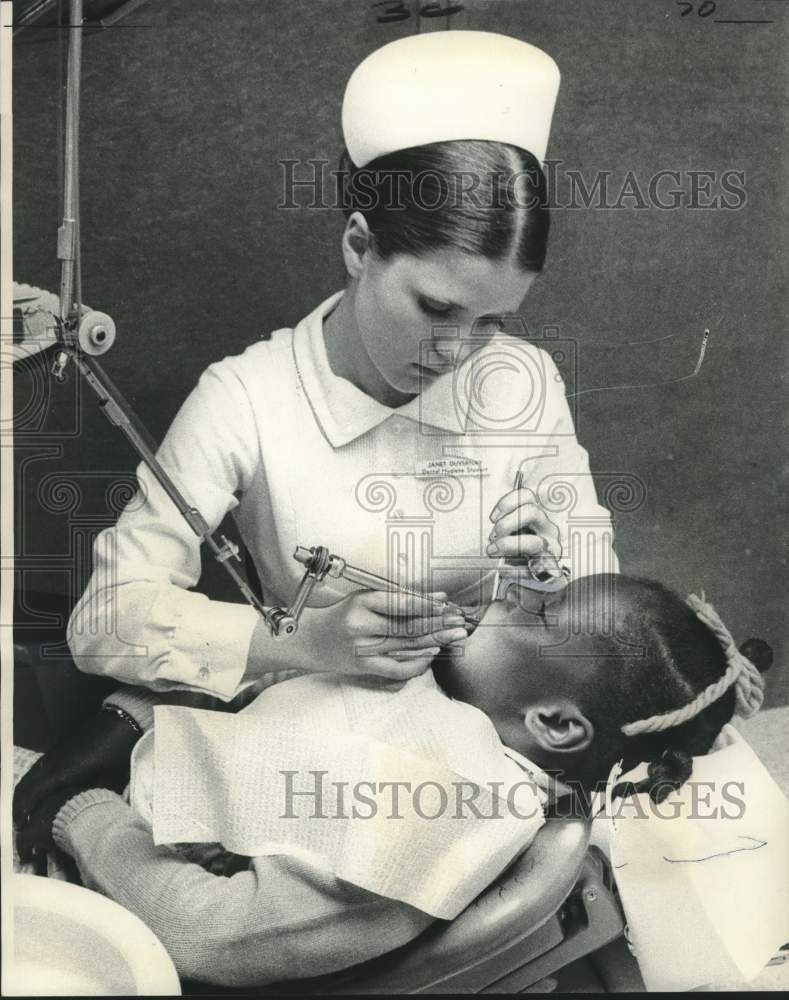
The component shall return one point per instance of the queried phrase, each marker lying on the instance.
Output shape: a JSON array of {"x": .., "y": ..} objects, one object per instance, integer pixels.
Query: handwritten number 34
[{"x": 704, "y": 9}]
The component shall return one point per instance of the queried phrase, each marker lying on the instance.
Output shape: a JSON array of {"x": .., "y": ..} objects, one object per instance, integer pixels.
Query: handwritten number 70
[
  {"x": 705, "y": 8},
  {"x": 396, "y": 10}
]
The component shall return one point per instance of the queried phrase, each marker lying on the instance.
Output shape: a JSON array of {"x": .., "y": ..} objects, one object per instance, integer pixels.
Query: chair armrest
[{"x": 524, "y": 898}]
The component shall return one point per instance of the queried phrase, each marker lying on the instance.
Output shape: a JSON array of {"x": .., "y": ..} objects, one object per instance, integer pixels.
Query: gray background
[{"x": 189, "y": 105}]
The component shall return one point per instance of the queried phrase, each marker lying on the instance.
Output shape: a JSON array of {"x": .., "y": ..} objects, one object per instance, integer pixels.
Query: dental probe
[
  {"x": 320, "y": 563},
  {"x": 543, "y": 568}
]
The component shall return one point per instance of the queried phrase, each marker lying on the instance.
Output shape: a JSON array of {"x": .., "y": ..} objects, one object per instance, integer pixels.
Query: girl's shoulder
[
  {"x": 269, "y": 356},
  {"x": 251, "y": 385}
]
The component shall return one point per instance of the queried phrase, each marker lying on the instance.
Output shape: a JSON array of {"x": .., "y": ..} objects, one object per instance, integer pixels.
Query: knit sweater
[{"x": 279, "y": 919}]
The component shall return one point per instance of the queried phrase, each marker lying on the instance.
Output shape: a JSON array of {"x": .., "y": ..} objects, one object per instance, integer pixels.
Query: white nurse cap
[{"x": 448, "y": 85}]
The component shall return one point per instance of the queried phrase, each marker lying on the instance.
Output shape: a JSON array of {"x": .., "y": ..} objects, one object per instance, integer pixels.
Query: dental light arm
[
  {"x": 102, "y": 14},
  {"x": 81, "y": 335}
]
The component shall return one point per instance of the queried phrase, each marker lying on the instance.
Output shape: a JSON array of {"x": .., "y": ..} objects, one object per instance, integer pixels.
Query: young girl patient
[{"x": 617, "y": 669}]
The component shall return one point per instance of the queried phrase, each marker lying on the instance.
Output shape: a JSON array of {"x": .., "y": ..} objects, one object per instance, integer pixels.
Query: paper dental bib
[{"x": 394, "y": 788}]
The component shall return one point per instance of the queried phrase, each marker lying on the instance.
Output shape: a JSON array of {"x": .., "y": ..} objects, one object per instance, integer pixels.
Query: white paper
[
  {"x": 705, "y": 889},
  {"x": 221, "y": 778}
]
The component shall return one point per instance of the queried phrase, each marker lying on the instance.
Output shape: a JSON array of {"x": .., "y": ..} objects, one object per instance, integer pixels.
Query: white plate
[{"x": 70, "y": 941}]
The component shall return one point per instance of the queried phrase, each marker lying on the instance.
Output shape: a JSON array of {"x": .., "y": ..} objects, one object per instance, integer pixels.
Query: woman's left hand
[{"x": 521, "y": 528}]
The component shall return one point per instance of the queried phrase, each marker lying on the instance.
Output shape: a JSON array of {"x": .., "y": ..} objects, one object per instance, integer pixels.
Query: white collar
[
  {"x": 552, "y": 787},
  {"x": 345, "y": 412}
]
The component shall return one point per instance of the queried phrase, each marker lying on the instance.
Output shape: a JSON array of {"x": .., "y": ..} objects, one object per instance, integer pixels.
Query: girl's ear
[
  {"x": 559, "y": 726},
  {"x": 356, "y": 241}
]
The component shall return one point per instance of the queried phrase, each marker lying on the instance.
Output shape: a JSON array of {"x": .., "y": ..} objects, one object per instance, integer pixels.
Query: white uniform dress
[{"x": 303, "y": 457}]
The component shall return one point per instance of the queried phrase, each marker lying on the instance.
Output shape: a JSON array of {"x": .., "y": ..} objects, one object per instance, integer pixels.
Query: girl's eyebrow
[
  {"x": 438, "y": 300},
  {"x": 450, "y": 306}
]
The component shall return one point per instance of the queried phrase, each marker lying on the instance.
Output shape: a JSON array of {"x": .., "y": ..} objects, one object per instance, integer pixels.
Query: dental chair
[{"x": 555, "y": 903}]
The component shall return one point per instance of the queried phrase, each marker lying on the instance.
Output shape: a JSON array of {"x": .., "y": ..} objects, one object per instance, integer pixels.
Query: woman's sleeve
[
  {"x": 277, "y": 920},
  {"x": 137, "y": 620},
  {"x": 556, "y": 468}
]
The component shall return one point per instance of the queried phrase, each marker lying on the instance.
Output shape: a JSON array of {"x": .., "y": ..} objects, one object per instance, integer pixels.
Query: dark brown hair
[{"x": 471, "y": 196}]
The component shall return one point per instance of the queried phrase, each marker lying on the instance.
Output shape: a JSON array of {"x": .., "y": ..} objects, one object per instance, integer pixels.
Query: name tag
[{"x": 459, "y": 466}]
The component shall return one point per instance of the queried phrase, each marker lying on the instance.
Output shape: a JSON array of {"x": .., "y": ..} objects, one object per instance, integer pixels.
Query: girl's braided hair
[{"x": 671, "y": 703}]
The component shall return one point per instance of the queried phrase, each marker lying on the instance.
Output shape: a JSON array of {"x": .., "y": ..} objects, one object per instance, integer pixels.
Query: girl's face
[
  {"x": 502, "y": 667},
  {"x": 525, "y": 654},
  {"x": 418, "y": 317}
]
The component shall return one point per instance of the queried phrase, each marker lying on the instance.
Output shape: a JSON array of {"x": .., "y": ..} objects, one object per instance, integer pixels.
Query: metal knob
[
  {"x": 282, "y": 623},
  {"x": 96, "y": 333}
]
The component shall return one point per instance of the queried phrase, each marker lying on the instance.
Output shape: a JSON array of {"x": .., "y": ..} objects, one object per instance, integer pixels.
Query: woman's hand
[
  {"x": 97, "y": 756},
  {"x": 393, "y": 635},
  {"x": 521, "y": 528},
  {"x": 368, "y": 632}
]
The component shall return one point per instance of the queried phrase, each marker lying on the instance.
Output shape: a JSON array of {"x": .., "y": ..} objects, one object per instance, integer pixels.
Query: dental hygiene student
[{"x": 390, "y": 423}]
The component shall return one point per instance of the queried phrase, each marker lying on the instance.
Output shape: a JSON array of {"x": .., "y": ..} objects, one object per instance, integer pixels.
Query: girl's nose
[{"x": 444, "y": 351}]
